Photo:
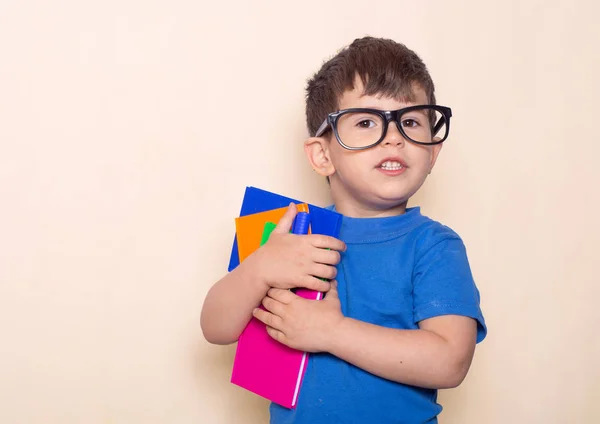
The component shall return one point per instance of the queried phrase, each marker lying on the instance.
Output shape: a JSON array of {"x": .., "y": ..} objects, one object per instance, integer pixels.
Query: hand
[
  {"x": 290, "y": 260},
  {"x": 307, "y": 325}
]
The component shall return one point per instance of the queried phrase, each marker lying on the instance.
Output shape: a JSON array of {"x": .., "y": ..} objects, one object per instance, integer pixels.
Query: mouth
[{"x": 392, "y": 164}]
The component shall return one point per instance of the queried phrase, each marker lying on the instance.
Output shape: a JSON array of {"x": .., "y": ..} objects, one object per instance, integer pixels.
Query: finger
[
  {"x": 327, "y": 272},
  {"x": 280, "y": 295},
  {"x": 276, "y": 334},
  {"x": 314, "y": 283},
  {"x": 285, "y": 223},
  {"x": 327, "y": 242},
  {"x": 273, "y": 306},
  {"x": 328, "y": 257},
  {"x": 333, "y": 291},
  {"x": 267, "y": 318}
]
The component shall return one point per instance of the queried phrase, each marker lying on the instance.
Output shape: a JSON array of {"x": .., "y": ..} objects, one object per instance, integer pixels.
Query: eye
[
  {"x": 365, "y": 123},
  {"x": 410, "y": 123}
]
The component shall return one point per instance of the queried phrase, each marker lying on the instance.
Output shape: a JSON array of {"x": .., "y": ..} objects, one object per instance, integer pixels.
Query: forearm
[
  {"x": 228, "y": 305},
  {"x": 416, "y": 357}
]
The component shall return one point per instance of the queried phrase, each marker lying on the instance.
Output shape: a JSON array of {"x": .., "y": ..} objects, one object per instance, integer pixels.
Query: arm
[
  {"x": 437, "y": 355},
  {"x": 229, "y": 303}
]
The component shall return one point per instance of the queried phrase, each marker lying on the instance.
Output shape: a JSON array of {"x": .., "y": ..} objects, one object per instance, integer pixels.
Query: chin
[
  {"x": 393, "y": 199},
  {"x": 385, "y": 204}
]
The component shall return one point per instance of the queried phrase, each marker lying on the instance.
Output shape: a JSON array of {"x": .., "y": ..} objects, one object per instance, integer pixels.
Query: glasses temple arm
[
  {"x": 322, "y": 128},
  {"x": 439, "y": 125}
]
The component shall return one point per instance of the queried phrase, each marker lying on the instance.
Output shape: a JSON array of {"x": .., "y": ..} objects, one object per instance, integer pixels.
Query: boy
[{"x": 403, "y": 317}]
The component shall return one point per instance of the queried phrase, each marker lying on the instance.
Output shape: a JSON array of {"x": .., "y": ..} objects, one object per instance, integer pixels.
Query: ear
[
  {"x": 318, "y": 155},
  {"x": 435, "y": 151}
]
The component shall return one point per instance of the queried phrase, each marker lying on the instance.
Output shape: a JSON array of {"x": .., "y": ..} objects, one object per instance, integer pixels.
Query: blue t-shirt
[{"x": 395, "y": 272}]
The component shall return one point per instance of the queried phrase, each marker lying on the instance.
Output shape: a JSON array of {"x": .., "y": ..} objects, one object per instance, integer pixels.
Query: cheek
[
  {"x": 349, "y": 162},
  {"x": 422, "y": 158}
]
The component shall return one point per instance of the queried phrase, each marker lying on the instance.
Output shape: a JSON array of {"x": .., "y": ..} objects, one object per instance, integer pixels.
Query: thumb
[
  {"x": 332, "y": 294},
  {"x": 285, "y": 223}
]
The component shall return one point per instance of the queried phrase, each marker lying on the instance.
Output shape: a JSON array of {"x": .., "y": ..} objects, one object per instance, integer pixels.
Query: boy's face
[{"x": 360, "y": 185}]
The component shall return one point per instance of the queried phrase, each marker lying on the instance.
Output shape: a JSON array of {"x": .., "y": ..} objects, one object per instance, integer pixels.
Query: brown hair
[{"x": 385, "y": 67}]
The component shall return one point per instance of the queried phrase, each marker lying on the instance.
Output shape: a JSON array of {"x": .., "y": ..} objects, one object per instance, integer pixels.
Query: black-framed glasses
[{"x": 363, "y": 128}]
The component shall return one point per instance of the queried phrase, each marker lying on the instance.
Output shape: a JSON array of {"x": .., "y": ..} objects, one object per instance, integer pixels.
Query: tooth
[{"x": 391, "y": 165}]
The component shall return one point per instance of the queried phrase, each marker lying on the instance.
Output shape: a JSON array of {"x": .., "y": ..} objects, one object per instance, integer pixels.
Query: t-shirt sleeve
[{"x": 443, "y": 283}]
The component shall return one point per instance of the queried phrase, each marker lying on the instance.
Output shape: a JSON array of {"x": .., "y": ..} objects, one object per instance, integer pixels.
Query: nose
[{"x": 393, "y": 136}]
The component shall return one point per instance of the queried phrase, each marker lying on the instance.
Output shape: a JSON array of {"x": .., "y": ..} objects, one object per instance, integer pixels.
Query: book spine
[{"x": 301, "y": 226}]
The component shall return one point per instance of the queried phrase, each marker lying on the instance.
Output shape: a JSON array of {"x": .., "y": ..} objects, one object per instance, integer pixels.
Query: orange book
[{"x": 249, "y": 228}]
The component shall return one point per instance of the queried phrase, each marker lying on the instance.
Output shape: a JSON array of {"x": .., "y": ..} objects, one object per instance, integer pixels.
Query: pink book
[
  {"x": 263, "y": 365},
  {"x": 268, "y": 368}
]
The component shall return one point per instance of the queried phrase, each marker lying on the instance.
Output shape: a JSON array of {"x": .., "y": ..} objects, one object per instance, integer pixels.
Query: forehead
[{"x": 356, "y": 97}]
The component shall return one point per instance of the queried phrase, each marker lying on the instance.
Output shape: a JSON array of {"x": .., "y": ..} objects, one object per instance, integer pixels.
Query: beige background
[{"x": 129, "y": 129}]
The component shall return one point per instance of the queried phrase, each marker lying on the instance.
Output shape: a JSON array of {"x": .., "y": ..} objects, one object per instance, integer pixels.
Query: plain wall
[{"x": 129, "y": 130}]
